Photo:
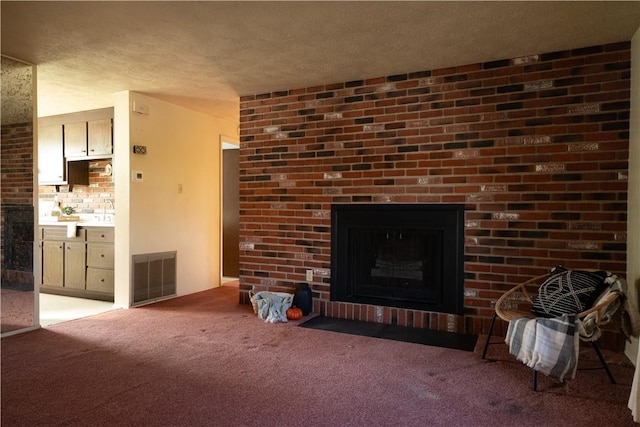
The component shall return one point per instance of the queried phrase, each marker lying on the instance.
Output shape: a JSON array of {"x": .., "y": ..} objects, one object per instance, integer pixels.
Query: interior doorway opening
[{"x": 230, "y": 208}]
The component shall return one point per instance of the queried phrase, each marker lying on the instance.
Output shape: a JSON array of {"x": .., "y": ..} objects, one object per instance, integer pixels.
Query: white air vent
[{"x": 154, "y": 277}]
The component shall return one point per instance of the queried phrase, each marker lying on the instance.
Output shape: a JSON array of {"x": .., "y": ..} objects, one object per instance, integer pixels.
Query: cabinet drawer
[
  {"x": 60, "y": 233},
  {"x": 100, "y": 255},
  {"x": 100, "y": 280},
  {"x": 100, "y": 235}
]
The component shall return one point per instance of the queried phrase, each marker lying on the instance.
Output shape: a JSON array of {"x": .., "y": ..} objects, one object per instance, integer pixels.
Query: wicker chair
[{"x": 522, "y": 297}]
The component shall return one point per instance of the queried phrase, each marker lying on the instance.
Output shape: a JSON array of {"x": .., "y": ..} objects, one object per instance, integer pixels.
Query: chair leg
[
  {"x": 534, "y": 381},
  {"x": 486, "y": 344},
  {"x": 604, "y": 362}
]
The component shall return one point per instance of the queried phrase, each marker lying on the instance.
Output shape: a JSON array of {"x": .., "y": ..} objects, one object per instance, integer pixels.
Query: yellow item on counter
[{"x": 55, "y": 209}]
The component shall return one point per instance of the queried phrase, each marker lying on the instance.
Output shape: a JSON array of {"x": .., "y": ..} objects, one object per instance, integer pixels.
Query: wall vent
[{"x": 154, "y": 277}]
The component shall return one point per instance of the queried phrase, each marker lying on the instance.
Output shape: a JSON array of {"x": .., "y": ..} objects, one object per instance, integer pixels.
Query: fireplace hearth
[{"x": 408, "y": 256}]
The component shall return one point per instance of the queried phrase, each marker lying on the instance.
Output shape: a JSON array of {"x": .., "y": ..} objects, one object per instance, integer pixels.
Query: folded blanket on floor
[
  {"x": 548, "y": 345},
  {"x": 272, "y": 307}
]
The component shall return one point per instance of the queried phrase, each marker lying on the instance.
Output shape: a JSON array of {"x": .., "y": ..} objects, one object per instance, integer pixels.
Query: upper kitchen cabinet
[
  {"x": 52, "y": 167},
  {"x": 50, "y": 155},
  {"x": 91, "y": 139},
  {"x": 68, "y": 142},
  {"x": 75, "y": 139},
  {"x": 100, "y": 137}
]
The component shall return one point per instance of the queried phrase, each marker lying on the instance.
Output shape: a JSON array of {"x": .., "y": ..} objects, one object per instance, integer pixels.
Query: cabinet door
[
  {"x": 50, "y": 154},
  {"x": 75, "y": 139},
  {"x": 53, "y": 264},
  {"x": 100, "y": 137},
  {"x": 74, "y": 265}
]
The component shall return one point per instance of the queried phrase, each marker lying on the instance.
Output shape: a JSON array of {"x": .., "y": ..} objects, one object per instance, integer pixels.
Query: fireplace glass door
[{"x": 408, "y": 256}]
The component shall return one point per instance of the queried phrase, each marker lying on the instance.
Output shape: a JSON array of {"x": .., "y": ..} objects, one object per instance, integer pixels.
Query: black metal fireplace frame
[{"x": 446, "y": 218}]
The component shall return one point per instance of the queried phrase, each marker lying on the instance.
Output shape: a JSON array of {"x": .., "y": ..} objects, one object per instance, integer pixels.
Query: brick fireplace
[{"x": 535, "y": 148}]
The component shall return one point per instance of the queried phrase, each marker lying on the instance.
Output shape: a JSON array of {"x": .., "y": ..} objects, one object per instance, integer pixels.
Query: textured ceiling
[{"x": 203, "y": 55}]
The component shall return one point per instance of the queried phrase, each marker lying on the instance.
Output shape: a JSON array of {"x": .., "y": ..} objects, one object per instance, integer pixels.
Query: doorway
[{"x": 230, "y": 208}]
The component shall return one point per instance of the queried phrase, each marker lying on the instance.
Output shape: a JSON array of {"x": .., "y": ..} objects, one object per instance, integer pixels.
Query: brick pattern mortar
[{"x": 536, "y": 148}]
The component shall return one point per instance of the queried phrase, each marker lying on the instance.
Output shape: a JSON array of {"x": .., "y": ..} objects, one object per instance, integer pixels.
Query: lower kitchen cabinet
[
  {"x": 74, "y": 265},
  {"x": 52, "y": 263},
  {"x": 100, "y": 259},
  {"x": 100, "y": 280},
  {"x": 78, "y": 266}
]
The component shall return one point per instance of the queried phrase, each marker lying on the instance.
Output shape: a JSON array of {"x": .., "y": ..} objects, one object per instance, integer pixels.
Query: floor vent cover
[{"x": 154, "y": 276}]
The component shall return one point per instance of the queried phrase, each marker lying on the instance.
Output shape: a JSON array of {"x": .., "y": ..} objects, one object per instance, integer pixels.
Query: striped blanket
[{"x": 548, "y": 345}]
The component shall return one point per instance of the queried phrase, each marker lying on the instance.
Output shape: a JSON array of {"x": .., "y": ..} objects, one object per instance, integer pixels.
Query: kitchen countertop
[{"x": 78, "y": 223}]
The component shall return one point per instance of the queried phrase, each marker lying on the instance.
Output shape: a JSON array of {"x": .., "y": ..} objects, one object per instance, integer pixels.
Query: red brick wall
[
  {"x": 17, "y": 164},
  {"x": 536, "y": 148}
]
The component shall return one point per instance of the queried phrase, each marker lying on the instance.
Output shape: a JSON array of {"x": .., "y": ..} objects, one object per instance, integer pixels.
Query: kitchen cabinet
[
  {"x": 51, "y": 165},
  {"x": 100, "y": 259},
  {"x": 63, "y": 258},
  {"x": 90, "y": 139},
  {"x": 67, "y": 142},
  {"x": 75, "y": 139},
  {"x": 100, "y": 280},
  {"x": 79, "y": 266},
  {"x": 52, "y": 263},
  {"x": 100, "y": 137},
  {"x": 74, "y": 265}
]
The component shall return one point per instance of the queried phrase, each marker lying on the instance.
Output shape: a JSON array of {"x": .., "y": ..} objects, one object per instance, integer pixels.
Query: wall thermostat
[{"x": 136, "y": 176}]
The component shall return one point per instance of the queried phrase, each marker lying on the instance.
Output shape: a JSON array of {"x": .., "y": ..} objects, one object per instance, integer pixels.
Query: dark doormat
[{"x": 445, "y": 339}]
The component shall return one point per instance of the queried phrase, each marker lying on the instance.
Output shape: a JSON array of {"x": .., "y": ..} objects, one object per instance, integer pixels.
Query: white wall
[
  {"x": 633, "y": 215},
  {"x": 121, "y": 174},
  {"x": 183, "y": 151}
]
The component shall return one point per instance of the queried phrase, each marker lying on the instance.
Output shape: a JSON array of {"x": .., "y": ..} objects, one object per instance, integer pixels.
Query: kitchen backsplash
[{"x": 91, "y": 199}]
